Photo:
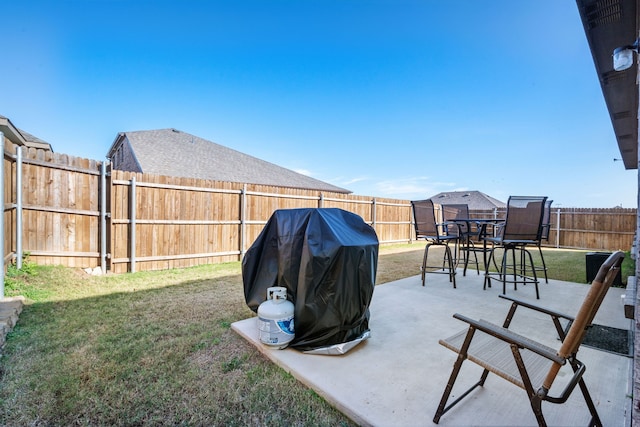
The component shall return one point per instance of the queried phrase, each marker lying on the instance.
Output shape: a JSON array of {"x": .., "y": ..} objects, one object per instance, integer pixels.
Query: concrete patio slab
[{"x": 396, "y": 378}]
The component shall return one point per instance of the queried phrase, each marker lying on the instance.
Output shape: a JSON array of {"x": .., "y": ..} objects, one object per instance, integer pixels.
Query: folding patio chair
[
  {"x": 428, "y": 228},
  {"x": 528, "y": 364}
]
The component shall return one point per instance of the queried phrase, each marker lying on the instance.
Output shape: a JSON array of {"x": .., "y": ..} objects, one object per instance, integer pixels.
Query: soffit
[{"x": 609, "y": 24}]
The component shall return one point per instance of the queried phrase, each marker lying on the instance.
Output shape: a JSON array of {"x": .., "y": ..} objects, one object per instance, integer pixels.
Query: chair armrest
[
  {"x": 498, "y": 227},
  {"x": 579, "y": 370},
  {"x": 447, "y": 224},
  {"x": 511, "y": 337},
  {"x": 538, "y": 308}
]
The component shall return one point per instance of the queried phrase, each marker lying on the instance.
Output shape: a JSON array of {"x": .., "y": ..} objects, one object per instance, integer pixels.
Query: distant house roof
[
  {"x": 476, "y": 200},
  {"x": 21, "y": 137},
  {"x": 175, "y": 153}
]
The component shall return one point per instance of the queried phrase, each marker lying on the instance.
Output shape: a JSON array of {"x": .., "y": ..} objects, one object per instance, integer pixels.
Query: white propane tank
[{"x": 275, "y": 318}]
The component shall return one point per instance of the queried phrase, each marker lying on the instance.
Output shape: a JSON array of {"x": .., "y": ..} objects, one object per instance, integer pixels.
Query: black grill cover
[{"x": 327, "y": 260}]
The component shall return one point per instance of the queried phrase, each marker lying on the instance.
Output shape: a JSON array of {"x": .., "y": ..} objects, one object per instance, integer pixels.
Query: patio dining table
[{"x": 483, "y": 225}]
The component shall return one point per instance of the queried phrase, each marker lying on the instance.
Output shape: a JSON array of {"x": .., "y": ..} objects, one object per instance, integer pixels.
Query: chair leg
[
  {"x": 442, "y": 407},
  {"x": 463, "y": 248},
  {"x": 487, "y": 262},
  {"x": 523, "y": 264},
  {"x": 469, "y": 249},
  {"x": 536, "y": 406},
  {"x": 595, "y": 418},
  {"x": 517, "y": 269},
  {"x": 534, "y": 399},
  {"x": 544, "y": 265},
  {"x": 495, "y": 264},
  {"x": 448, "y": 389},
  {"x": 448, "y": 263},
  {"x": 452, "y": 270},
  {"x": 424, "y": 262},
  {"x": 446, "y": 260},
  {"x": 503, "y": 268},
  {"x": 533, "y": 270},
  {"x": 475, "y": 256},
  {"x": 456, "y": 251}
]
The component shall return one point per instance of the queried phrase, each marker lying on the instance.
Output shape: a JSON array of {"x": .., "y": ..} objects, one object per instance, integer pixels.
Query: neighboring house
[
  {"x": 476, "y": 200},
  {"x": 20, "y": 137},
  {"x": 172, "y": 152}
]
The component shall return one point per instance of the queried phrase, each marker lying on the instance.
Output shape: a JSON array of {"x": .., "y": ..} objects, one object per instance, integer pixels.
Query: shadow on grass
[{"x": 145, "y": 349}]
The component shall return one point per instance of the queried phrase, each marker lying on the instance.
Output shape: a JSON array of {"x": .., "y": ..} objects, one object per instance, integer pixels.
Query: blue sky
[{"x": 387, "y": 98}]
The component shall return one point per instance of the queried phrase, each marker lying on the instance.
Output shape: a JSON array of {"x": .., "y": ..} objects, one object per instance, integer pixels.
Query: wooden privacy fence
[
  {"x": 76, "y": 212},
  {"x": 585, "y": 228},
  {"x": 161, "y": 222}
]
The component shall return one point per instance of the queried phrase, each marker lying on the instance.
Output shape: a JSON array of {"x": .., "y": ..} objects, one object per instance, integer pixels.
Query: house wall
[
  {"x": 124, "y": 159},
  {"x": 635, "y": 380}
]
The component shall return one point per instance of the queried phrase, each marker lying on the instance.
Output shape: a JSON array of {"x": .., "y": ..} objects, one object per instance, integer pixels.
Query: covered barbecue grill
[{"x": 327, "y": 260}]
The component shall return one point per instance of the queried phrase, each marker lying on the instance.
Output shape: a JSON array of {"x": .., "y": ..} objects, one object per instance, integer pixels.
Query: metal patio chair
[
  {"x": 459, "y": 214},
  {"x": 428, "y": 228},
  {"x": 528, "y": 364},
  {"x": 521, "y": 228}
]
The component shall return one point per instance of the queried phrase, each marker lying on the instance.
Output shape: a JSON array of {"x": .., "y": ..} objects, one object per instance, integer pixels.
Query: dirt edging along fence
[{"x": 78, "y": 213}]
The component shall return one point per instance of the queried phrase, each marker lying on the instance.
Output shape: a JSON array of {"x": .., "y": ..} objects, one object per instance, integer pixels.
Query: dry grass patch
[{"x": 146, "y": 349}]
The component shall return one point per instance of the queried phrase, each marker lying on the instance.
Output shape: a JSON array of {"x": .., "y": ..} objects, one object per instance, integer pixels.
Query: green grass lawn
[{"x": 155, "y": 348}]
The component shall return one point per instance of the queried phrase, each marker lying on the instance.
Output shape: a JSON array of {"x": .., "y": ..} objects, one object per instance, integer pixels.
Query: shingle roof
[
  {"x": 34, "y": 141},
  {"x": 21, "y": 137},
  {"x": 476, "y": 200},
  {"x": 175, "y": 153}
]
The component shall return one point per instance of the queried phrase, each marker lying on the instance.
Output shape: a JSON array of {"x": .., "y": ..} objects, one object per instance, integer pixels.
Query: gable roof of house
[
  {"x": 175, "y": 153},
  {"x": 21, "y": 137},
  {"x": 476, "y": 200}
]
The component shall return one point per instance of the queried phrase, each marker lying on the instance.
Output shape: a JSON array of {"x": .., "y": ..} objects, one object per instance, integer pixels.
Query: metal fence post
[
  {"x": 132, "y": 224},
  {"x": 243, "y": 220},
  {"x": 373, "y": 213},
  {"x": 19, "y": 225},
  {"x": 2, "y": 216},
  {"x": 103, "y": 217},
  {"x": 558, "y": 228},
  {"x": 412, "y": 226}
]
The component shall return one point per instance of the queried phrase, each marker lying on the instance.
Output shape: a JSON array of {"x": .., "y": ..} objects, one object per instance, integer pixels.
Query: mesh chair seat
[{"x": 497, "y": 356}]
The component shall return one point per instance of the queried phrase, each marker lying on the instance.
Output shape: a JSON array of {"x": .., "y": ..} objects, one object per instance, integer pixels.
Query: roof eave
[
  {"x": 11, "y": 132},
  {"x": 608, "y": 25},
  {"x": 115, "y": 144}
]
